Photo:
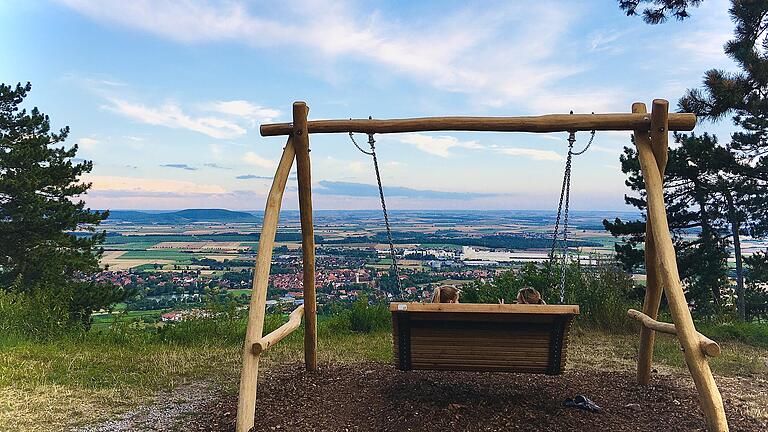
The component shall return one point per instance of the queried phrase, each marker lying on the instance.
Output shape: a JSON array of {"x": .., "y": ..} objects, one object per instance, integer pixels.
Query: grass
[
  {"x": 86, "y": 378},
  {"x": 67, "y": 383}
]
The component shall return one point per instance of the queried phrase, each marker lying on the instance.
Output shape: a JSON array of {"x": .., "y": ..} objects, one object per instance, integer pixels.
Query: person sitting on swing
[
  {"x": 528, "y": 295},
  {"x": 446, "y": 294}
]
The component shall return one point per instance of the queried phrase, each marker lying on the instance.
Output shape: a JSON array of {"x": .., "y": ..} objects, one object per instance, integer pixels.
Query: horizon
[
  {"x": 166, "y": 98},
  {"x": 378, "y": 210}
]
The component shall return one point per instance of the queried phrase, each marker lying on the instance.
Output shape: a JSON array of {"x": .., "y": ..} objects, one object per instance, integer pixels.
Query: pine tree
[
  {"x": 661, "y": 9},
  {"x": 40, "y": 210},
  {"x": 743, "y": 94},
  {"x": 694, "y": 215}
]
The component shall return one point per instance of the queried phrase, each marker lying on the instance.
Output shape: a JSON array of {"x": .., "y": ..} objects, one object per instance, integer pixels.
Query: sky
[{"x": 166, "y": 97}]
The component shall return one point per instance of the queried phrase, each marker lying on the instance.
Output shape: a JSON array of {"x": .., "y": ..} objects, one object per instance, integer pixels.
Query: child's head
[
  {"x": 446, "y": 294},
  {"x": 529, "y": 295}
]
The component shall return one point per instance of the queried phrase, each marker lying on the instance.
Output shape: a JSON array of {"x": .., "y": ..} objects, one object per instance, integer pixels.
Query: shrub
[
  {"x": 755, "y": 334},
  {"x": 603, "y": 292},
  {"x": 361, "y": 317},
  {"x": 37, "y": 315}
]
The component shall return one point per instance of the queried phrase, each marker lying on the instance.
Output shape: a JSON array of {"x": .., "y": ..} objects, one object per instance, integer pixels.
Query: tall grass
[{"x": 38, "y": 315}]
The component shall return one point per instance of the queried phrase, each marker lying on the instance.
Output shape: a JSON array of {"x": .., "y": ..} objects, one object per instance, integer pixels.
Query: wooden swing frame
[{"x": 651, "y": 133}]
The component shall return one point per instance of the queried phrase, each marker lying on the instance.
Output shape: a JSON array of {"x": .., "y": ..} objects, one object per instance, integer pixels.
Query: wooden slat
[
  {"x": 476, "y": 368},
  {"x": 483, "y": 317},
  {"x": 486, "y": 308}
]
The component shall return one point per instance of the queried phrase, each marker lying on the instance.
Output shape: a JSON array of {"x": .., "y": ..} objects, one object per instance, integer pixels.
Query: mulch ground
[{"x": 377, "y": 397}]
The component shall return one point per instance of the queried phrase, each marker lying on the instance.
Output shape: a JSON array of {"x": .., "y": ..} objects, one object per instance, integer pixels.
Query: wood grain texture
[
  {"x": 708, "y": 346},
  {"x": 294, "y": 321},
  {"x": 246, "y": 403},
  {"x": 481, "y": 339},
  {"x": 543, "y": 124},
  {"x": 709, "y": 395},
  {"x": 485, "y": 308},
  {"x": 658, "y": 138},
  {"x": 304, "y": 174}
]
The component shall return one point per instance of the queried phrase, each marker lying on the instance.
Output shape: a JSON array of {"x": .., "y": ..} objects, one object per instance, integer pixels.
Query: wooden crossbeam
[
  {"x": 294, "y": 321},
  {"x": 708, "y": 346},
  {"x": 544, "y": 123}
]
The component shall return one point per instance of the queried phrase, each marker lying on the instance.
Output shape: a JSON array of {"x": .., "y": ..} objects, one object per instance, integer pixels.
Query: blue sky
[{"x": 166, "y": 96}]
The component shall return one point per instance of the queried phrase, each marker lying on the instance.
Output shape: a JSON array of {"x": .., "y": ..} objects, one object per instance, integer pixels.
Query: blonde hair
[
  {"x": 529, "y": 295},
  {"x": 446, "y": 294}
]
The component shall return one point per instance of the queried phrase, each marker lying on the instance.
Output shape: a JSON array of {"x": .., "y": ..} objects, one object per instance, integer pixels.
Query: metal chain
[
  {"x": 372, "y": 153},
  {"x": 565, "y": 195}
]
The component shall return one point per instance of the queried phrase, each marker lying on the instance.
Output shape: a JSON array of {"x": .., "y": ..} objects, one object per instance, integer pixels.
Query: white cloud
[
  {"x": 489, "y": 53},
  {"x": 245, "y": 109},
  {"x": 437, "y": 145},
  {"x": 217, "y": 150},
  {"x": 535, "y": 154},
  {"x": 252, "y": 158},
  {"x": 171, "y": 115},
  {"x": 87, "y": 142},
  {"x": 150, "y": 185}
]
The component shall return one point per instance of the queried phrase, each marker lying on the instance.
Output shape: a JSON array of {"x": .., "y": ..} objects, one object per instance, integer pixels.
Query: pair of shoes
[{"x": 582, "y": 402}]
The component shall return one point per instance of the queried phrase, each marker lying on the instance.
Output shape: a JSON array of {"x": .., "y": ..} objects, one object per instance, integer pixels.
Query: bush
[
  {"x": 36, "y": 315},
  {"x": 361, "y": 317},
  {"x": 755, "y": 334},
  {"x": 603, "y": 292}
]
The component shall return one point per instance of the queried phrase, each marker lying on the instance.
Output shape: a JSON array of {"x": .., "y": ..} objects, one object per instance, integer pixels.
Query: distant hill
[{"x": 181, "y": 216}]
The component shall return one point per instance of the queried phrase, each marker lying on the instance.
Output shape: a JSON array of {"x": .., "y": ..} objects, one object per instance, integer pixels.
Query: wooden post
[
  {"x": 709, "y": 395},
  {"x": 246, "y": 403},
  {"x": 658, "y": 140},
  {"x": 301, "y": 140}
]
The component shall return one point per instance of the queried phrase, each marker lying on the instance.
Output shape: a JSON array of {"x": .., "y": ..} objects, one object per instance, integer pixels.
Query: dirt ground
[{"x": 377, "y": 397}]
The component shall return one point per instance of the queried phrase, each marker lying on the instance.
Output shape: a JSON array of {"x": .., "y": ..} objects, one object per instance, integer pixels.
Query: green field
[
  {"x": 160, "y": 254},
  {"x": 137, "y": 245}
]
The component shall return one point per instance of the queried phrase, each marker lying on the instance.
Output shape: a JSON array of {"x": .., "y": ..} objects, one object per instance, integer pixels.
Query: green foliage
[
  {"x": 697, "y": 214},
  {"x": 661, "y": 9},
  {"x": 39, "y": 315},
  {"x": 756, "y": 303},
  {"x": 603, "y": 293},
  {"x": 39, "y": 209},
  {"x": 755, "y": 334},
  {"x": 361, "y": 317}
]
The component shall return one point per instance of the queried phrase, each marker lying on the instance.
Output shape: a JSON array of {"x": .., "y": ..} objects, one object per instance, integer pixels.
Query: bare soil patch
[{"x": 377, "y": 397}]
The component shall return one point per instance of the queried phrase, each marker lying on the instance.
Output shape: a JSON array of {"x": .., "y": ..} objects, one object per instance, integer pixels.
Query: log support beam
[
  {"x": 664, "y": 251},
  {"x": 294, "y": 321},
  {"x": 657, "y": 138},
  {"x": 304, "y": 174},
  {"x": 707, "y": 345},
  {"x": 246, "y": 403}
]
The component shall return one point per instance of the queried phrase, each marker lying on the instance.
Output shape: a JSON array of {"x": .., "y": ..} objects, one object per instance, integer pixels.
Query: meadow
[{"x": 86, "y": 377}]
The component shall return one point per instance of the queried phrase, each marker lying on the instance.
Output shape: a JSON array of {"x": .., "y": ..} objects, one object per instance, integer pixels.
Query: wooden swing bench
[{"x": 482, "y": 337}]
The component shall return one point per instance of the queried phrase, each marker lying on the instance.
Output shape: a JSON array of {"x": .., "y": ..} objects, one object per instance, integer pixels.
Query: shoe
[{"x": 582, "y": 402}]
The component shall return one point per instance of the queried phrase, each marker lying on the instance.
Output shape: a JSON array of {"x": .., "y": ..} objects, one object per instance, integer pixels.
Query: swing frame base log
[{"x": 651, "y": 138}]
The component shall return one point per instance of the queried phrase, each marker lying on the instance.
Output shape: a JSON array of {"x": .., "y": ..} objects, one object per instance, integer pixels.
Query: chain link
[
  {"x": 565, "y": 197},
  {"x": 372, "y": 153}
]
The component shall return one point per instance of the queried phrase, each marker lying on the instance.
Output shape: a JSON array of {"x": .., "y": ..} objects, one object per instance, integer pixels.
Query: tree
[
  {"x": 47, "y": 236},
  {"x": 694, "y": 215},
  {"x": 740, "y": 184},
  {"x": 756, "y": 294},
  {"x": 661, "y": 9},
  {"x": 745, "y": 95}
]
